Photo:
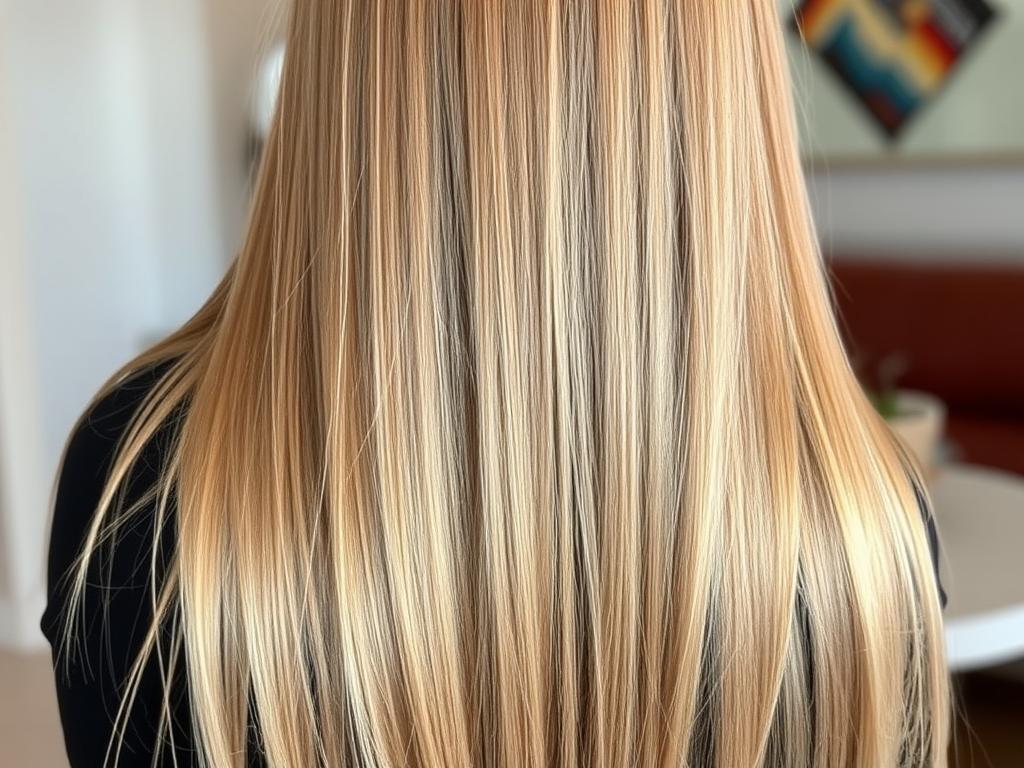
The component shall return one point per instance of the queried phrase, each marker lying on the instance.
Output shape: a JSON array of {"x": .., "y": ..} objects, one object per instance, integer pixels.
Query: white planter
[{"x": 920, "y": 420}]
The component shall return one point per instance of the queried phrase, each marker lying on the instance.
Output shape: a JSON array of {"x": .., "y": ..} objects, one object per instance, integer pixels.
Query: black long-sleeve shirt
[
  {"x": 116, "y": 606},
  {"x": 116, "y": 611}
]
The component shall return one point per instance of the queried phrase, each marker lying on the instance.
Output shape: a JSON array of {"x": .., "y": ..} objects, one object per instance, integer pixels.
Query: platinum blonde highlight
[{"x": 520, "y": 432}]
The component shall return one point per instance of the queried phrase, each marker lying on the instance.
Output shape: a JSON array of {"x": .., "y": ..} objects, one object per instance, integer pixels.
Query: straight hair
[{"x": 520, "y": 432}]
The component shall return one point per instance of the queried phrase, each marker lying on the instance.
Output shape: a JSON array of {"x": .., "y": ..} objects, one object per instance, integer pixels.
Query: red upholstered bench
[{"x": 959, "y": 327}]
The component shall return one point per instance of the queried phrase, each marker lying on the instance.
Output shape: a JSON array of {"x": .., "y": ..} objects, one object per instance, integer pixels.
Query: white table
[{"x": 980, "y": 516}]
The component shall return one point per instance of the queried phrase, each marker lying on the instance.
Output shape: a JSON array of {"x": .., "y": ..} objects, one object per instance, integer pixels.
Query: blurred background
[{"x": 127, "y": 135}]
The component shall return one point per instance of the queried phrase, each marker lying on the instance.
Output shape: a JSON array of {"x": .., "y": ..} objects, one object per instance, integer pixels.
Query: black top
[
  {"x": 117, "y": 597},
  {"x": 90, "y": 690}
]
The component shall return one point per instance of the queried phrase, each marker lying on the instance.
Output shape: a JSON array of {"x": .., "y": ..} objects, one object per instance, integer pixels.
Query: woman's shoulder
[
  {"x": 95, "y": 436},
  {"x": 88, "y": 458},
  {"x": 114, "y": 614}
]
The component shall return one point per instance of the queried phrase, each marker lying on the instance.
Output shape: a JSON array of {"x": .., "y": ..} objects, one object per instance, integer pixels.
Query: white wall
[
  {"x": 189, "y": 237},
  {"x": 951, "y": 213},
  {"x": 114, "y": 234},
  {"x": 123, "y": 190},
  {"x": 21, "y": 477},
  {"x": 237, "y": 34}
]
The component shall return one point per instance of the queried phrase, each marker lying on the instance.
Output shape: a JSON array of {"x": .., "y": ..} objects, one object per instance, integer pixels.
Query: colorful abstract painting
[{"x": 893, "y": 55}]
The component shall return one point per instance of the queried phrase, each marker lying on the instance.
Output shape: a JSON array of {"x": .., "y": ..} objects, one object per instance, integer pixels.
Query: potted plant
[{"x": 918, "y": 418}]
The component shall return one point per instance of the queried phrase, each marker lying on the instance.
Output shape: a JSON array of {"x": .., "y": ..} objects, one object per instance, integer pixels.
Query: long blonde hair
[{"x": 520, "y": 432}]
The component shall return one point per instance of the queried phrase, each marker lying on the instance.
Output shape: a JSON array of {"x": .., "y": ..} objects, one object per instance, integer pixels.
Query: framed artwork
[{"x": 909, "y": 79}]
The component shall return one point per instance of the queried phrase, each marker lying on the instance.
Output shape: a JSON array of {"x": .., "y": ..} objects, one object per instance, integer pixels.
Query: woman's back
[{"x": 520, "y": 432}]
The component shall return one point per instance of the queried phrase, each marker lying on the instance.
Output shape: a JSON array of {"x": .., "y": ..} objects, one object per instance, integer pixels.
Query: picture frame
[{"x": 974, "y": 115}]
